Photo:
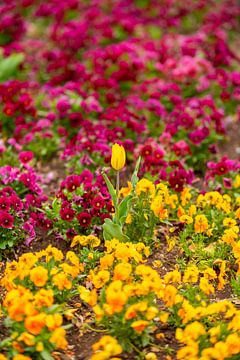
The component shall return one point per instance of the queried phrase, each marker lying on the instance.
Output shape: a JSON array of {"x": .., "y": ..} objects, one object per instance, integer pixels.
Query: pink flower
[{"x": 25, "y": 156}]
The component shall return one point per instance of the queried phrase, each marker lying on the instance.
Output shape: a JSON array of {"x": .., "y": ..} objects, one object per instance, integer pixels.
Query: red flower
[
  {"x": 221, "y": 168},
  {"x": 72, "y": 182},
  {"x": 110, "y": 207},
  {"x": 16, "y": 202},
  {"x": 67, "y": 214},
  {"x": 84, "y": 219},
  {"x": 98, "y": 202},
  {"x": 146, "y": 150},
  {"x": 6, "y": 220},
  {"x": 4, "y": 203}
]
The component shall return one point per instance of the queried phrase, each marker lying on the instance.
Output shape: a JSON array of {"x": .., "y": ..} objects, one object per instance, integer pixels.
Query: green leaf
[
  {"x": 124, "y": 208},
  {"x": 134, "y": 178},
  {"x": 46, "y": 355},
  {"x": 111, "y": 230},
  {"x": 5, "y": 343},
  {"x": 145, "y": 340},
  {"x": 3, "y": 246},
  {"x": 9, "y": 66},
  {"x": 111, "y": 190}
]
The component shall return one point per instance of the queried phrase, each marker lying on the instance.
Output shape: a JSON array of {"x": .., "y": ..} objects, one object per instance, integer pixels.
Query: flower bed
[{"x": 119, "y": 208}]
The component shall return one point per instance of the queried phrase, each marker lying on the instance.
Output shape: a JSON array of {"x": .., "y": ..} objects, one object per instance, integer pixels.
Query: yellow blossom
[
  {"x": 145, "y": 186},
  {"x": 140, "y": 325},
  {"x": 21, "y": 357},
  {"x": 90, "y": 297},
  {"x": 124, "y": 191},
  {"x": 53, "y": 321},
  {"x": 35, "y": 324},
  {"x": 186, "y": 219},
  {"x": 128, "y": 219},
  {"x": 39, "y": 346},
  {"x": 118, "y": 157},
  {"x": 228, "y": 222},
  {"x": 200, "y": 224},
  {"x": 39, "y": 276},
  {"x": 58, "y": 338},
  {"x": 191, "y": 274},
  {"x": 106, "y": 261},
  {"x": 61, "y": 281},
  {"x": 151, "y": 313},
  {"x": 172, "y": 277},
  {"x": 52, "y": 252},
  {"x": 27, "y": 338},
  {"x": 206, "y": 287},
  {"x": 98, "y": 311},
  {"x": 101, "y": 278},
  {"x": 169, "y": 296},
  {"x": 116, "y": 298},
  {"x": 122, "y": 271},
  {"x": 157, "y": 206},
  {"x": 108, "y": 345},
  {"x": 188, "y": 352},
  {"x": 151, "y": 356}
]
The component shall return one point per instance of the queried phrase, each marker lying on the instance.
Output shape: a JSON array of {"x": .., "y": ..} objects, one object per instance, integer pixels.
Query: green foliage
[
  {"x": 114, "y": 228},
  {"x": 9, "y": 66}
]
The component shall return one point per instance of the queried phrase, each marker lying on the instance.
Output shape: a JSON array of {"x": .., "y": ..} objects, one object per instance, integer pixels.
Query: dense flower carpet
[{"x": 119, "y": 179}]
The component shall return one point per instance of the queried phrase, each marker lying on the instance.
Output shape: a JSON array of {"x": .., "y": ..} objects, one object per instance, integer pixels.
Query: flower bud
[{"x": 118, "y": 157}]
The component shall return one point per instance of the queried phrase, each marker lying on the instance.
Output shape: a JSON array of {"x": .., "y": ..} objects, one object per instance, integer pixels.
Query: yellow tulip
[{"x": 118, "y": 157}]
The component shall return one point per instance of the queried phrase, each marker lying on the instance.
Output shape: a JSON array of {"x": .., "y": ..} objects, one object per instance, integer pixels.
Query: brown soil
[{"x": 231, "y": 146}]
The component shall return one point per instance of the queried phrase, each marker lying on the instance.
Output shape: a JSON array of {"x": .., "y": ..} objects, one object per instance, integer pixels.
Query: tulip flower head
[{"x": 118, "y": 157}]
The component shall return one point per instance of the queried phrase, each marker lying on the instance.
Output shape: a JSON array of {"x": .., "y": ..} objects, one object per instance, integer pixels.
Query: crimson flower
[
  {"x": 6, "y": 220},
  {"x": 67, "y": 214},
  {"x": 84, "y": 219}
]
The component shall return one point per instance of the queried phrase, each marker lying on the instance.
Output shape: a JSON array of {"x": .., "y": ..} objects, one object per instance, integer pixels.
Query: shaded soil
[{"x": 231, "y": 146}]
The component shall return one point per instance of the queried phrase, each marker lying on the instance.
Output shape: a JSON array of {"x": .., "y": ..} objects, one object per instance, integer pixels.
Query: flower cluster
[
  {"x": 127, "y": 292},
  {"x": 43, "y": 270},
  {"x": 91, "y": 92},
  {"x": 81, "y": 205},
  {"x": 35, "y": 323}
]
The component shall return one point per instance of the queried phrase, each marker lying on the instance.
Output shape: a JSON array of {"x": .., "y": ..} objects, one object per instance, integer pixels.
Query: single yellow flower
[
  {"x": 151, "y": 356},
  {"x": 39, "y": 276},
  {"x": 118, "y": 157},
  {"x": 139, "y": 325}
]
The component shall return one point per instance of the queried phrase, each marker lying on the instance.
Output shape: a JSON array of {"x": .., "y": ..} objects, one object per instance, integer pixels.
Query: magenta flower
[
  {"x": 25, "y": 156},
  {"x": 16, "y": 203}
]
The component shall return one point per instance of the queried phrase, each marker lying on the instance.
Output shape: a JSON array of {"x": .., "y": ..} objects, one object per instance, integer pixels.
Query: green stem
[
  {"x": 136, "y": 349},
  {"x": 157, "y": 346},
  {"x": 117, "y": 184},
  {"x": 95, "y": 330},
  {"x": 117, "y": 194}
]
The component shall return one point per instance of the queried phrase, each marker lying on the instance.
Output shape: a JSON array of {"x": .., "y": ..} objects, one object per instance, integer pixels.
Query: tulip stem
[
  {"x": 117, "y": 194},
  {"x": 117, "y": 185}
]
